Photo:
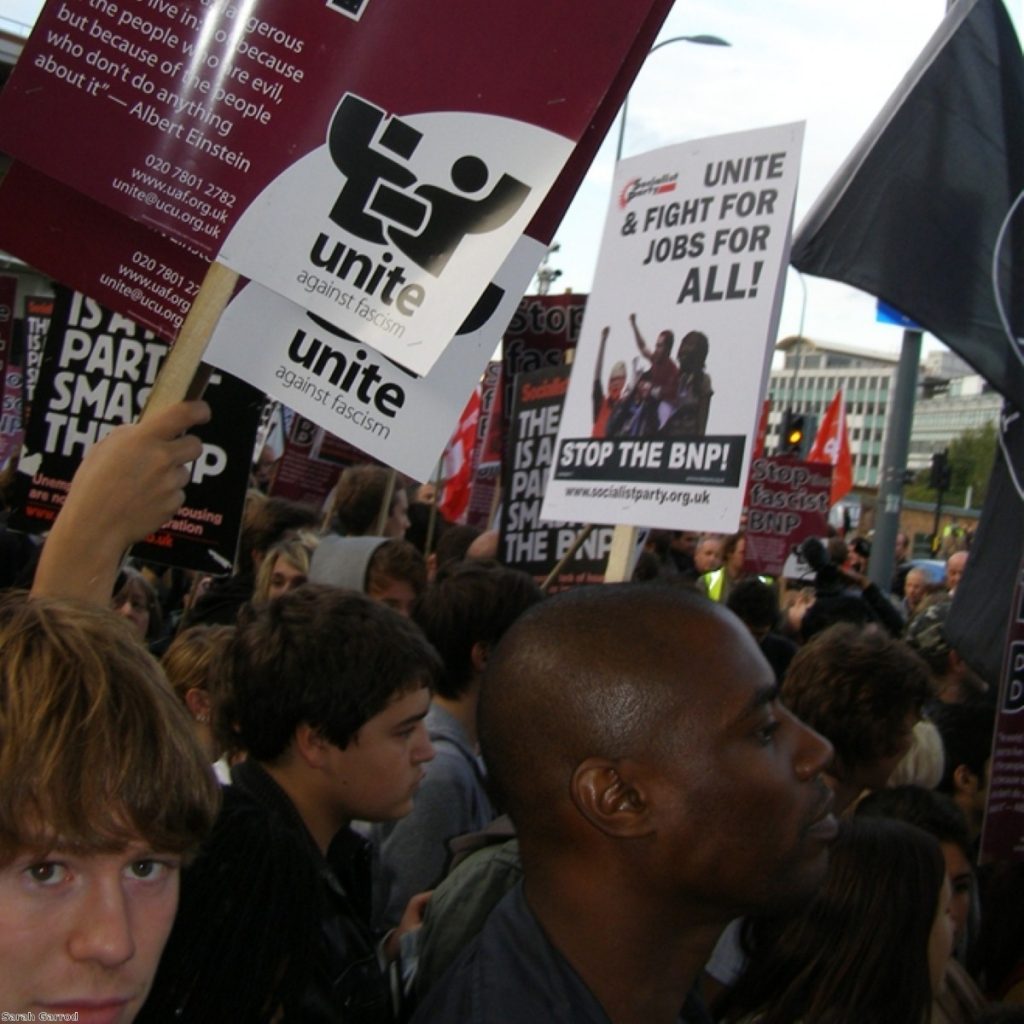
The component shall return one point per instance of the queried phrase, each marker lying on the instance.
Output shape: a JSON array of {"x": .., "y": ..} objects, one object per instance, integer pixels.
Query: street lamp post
[
  {"x": 701, "y": 40},
  {"x": 624, "y": 539},
  {"x": 546, "y": 276}
]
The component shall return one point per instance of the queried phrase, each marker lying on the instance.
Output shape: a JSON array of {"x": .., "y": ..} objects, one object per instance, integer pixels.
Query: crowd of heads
[{"x": 670, "y": 756}]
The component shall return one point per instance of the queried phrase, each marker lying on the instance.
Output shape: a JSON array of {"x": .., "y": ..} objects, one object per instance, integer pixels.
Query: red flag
[
  {"x": 458, "y": 462},
  {"x": 832, "y": 445},
  {"x": 762, "y": 430}
]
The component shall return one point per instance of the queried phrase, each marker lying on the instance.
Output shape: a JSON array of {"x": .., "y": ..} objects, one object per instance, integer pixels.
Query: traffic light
[
  {"x": 942, "y": 473},
  {"x": 794, "y": 433}
]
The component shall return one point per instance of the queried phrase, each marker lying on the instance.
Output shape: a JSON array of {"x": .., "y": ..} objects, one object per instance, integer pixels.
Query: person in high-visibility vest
[
  {"x": 719, "y": 583},
  {"x": 714, "y": 583}
]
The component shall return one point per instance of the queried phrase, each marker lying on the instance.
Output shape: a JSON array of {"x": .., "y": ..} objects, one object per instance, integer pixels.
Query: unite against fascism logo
[{"x": 384, "y": 203}]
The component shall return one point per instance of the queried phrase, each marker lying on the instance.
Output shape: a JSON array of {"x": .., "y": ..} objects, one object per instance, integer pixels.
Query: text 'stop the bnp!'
[{"x": 373, "y": 161}]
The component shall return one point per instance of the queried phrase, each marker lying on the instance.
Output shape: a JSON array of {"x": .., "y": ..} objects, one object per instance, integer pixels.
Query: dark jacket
[{"x": 268, "y": 925}]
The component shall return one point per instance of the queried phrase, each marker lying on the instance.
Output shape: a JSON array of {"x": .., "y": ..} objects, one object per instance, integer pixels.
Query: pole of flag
[
  {"x": 894, "y": 461},
  {"x": 894, "y": 458},
  {"x": 435, "y": 500}
]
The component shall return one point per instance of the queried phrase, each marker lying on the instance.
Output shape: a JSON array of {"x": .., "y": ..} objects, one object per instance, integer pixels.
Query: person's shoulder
[
  {"x": 463, "y": 901},
  {"x": 248, "y": 921},
  {"x": 450, "y": 759},
  {"x": 474, "y": 989},
  {"x": 252, "y": 849},
  {"x": 453, "y": 754},
  {"x": 510, "y": 974},
  {"x": 243, "y": 815}
]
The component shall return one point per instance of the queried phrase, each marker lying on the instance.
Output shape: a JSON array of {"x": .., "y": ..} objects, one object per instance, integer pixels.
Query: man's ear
[
  {"x": 611, "y": 797},
  {"x": 478, "y": 655},
  {"x": 310, "y": 745},
  {"x": 964, "y": 780}
]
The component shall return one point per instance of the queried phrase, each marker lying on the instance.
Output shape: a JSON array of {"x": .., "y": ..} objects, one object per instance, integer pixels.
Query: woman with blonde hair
[
  {"x": 285, "y": 567},
  {"x": 192, "y": 664}
]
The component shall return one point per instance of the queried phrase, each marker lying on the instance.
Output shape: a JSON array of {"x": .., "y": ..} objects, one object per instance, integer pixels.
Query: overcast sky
[{"x": 829, "y": 63}]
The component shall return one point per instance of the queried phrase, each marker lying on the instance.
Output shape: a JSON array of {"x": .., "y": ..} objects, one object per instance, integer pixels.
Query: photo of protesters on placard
[
  {"x": 689, "y": 417},
  {"x": 605, "y": 403},
  {"x": 668, "y": 398}
]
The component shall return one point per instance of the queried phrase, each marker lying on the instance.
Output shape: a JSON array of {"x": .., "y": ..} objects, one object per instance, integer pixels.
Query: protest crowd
[
  {"x": 284, "y": 739},
  {"x": 368, "y": 784}
]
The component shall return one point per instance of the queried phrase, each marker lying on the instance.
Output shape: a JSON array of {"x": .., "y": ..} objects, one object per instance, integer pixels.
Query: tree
[{"x": 970, "y": 459}]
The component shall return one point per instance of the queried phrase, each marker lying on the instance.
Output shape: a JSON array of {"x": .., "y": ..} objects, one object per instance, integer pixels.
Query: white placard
[
  {"x": 352, "y": 390},
  {"x": 694, "y": 252}
]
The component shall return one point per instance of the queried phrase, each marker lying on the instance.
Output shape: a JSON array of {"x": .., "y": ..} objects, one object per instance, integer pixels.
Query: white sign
[
  {"x": 676, "y": 343},
  {"x": 351, "y": 389},
  {"x": 393, "y": 264}
]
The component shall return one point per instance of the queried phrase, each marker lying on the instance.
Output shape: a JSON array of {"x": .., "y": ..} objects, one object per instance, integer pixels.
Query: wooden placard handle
[
  {"x": 577, "y": 543},
  {"x": 180, "y": 369},
  {"x": 620, "y": 556},
  {"x": 386, "y": 502}
]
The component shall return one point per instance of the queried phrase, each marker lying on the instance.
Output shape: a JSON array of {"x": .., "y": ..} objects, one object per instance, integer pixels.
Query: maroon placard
[
  {"x": 494, "y": 441},
  {"x": 108, "y": 93},
  {"x": 1002, "y": 836},
  {"x": 788, "y": 501},
  {"x": 311, "y": 463},
  {"x": 125, "y": 266},
  {"x": 391, "y": 195}
]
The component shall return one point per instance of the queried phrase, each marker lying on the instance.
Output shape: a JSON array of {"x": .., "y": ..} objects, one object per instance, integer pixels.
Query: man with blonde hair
[{"x": 103, "y": 792}]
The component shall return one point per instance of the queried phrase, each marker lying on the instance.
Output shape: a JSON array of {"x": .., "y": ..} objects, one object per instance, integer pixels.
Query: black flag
[
  {"x": 927, "y": 214},
  {"x": 980, "y": 614},
  {"x": 914, "y": 214}
]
